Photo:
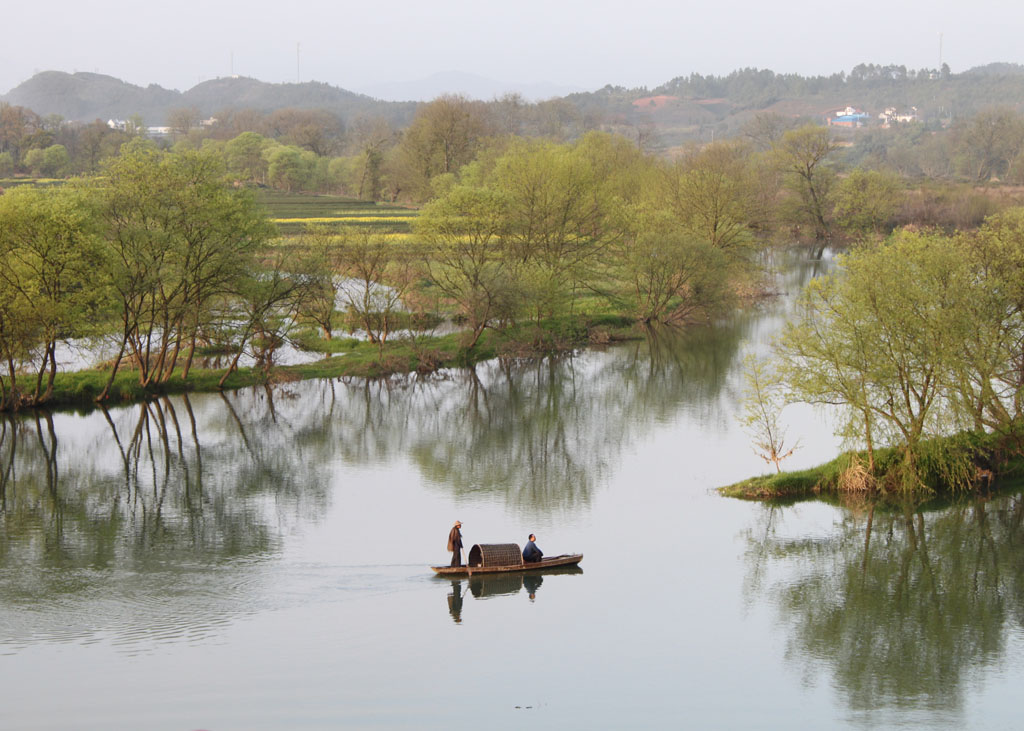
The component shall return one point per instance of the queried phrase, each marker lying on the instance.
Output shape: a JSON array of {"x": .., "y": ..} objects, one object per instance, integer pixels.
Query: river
[{"x": 259, "y": 560}]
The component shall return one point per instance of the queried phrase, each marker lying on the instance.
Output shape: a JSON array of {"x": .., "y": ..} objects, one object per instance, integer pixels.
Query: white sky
[{"x": 582, "y": 43}]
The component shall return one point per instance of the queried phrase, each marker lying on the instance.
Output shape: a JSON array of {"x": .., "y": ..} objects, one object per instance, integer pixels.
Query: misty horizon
[{"x": 571, "y": 44}]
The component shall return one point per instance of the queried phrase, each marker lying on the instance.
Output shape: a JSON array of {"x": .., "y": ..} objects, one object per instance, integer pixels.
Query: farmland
[{"x": 293, "y": 213}]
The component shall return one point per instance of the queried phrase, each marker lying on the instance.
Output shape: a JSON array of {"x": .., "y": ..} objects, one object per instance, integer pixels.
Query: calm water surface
[{"x": 259, "y": 561}]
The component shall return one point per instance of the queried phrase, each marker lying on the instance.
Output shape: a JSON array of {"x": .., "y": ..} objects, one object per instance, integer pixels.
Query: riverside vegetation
[
  {"x": 528, "y": 245},
  {"x": 919, "y": 343},
  {"x": 544, "y": 247}
]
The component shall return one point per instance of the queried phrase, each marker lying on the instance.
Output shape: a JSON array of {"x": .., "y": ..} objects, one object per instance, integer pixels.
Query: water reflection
[
  {"x": 900, "y": 609},
  {"x": 146, "y": 520},
  {"x": 489, "y": 586}
]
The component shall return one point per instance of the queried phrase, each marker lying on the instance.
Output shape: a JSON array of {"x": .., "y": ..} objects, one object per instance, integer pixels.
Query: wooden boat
[{"x": 493, "y": 558}]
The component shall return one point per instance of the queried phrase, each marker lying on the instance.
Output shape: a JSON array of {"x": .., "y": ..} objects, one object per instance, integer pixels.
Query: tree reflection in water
[
  {"x": 101, "y": 511},
  {"x": 538, "y": 434},
  {"x": 901, "y": 609}
]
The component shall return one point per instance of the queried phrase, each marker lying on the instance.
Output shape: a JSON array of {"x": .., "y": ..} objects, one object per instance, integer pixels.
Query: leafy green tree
[
  {"x": 883, "y": 339},
  {"x": 866, "y": 201},
  {"x": 244, "y": 155},
  {"x": 178, "y": 240},
  {"x": 561, "y": 211},
  {"x": 288, "y": 168},
  {"x": 713, "y": 194},
  {"x": 55, "y": 161},
  {"x": 33, "y": 161},
  {"x": 466, "y": 257},
  {"x": 992, "y": 385},
  {"x": 802, "y": 156},
  {"x": 671, "y": 276},
  {"x": 48, "y": 268},
  {"x": 445, "y": 135}
]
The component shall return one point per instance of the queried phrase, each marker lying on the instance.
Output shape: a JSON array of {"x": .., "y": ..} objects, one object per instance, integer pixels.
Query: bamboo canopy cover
[{"x": 495, "y": 554}]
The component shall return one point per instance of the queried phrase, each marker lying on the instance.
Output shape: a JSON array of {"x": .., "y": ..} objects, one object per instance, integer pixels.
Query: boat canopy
[{"x": 495, "y": 554}]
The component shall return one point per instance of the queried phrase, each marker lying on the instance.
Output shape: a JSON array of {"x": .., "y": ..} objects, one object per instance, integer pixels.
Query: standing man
[
  {"x": 532, "y": 554},
  {"x": 455, "y": 543}
]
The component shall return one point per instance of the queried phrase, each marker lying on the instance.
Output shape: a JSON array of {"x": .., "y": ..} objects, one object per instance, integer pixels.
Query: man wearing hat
[{"x": 455, "y": 543}]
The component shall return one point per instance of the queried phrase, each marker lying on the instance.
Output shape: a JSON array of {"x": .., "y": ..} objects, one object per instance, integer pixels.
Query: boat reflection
[{"x": 489, "y": 586}]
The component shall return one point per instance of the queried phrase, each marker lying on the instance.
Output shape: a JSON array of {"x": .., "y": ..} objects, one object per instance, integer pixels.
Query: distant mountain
[
  {"x": 88, "y": 96},
  {"x": 468, "y": 85},
  {"x": 996, "y": 69}
]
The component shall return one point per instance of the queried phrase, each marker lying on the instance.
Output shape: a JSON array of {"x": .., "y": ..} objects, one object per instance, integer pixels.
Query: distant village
[
  {"x": 127, "y": 125},
  {"x": 853, "y": 117}
]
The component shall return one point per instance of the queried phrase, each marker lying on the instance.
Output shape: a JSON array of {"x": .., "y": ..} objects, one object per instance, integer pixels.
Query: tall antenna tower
[
  {"x": 298, "y": 78},
  {"x": 940, "y": 49}
]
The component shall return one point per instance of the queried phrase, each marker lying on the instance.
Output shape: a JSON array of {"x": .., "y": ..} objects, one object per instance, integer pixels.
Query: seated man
[{"x": 532, "y": 554}]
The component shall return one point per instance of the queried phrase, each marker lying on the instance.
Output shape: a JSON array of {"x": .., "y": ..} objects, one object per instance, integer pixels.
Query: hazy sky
[{"x": 572, "y": 42}]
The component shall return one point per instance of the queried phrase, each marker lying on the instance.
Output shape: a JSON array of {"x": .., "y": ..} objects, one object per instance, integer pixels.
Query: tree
[
  {"x": 867, "y": 200},
  {"x": 560, "y": 212},
  {"x": 379, "y": 274},
  {"x": 289, "y": 168},
  {"x": 762, "y": 405},
  {"x": 444, "y": 136},
  {"x": 55, "y": 161},
  {"x": 50, "y": 256},
  {"x": 883, "y": 339},
  {"x": 671, "y": 276},
  {"x": 989, "y": 142},
  {"x": 712, "y": 192},
  {"x": 802, "y": 155},
  {"x": 266, "y": 302},
  {"x": 182, "y": 120},
  {"x": 319, "y": 266},
  {"x": 178, "y": 240},
  {"x": 466, "y": 258},
  {"x": 245, "y": 158},
  {"x": 992, "y": 386}
]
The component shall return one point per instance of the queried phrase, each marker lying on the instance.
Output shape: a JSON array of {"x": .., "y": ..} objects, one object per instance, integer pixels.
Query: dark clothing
[
  {"x": 455, "y": 545},
  {"x": 532, "y": 554}
]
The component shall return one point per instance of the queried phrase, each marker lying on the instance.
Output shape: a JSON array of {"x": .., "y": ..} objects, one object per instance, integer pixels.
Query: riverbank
[
  {"x": 956, "y": 464},
  {"x": 348, "y": 357}
]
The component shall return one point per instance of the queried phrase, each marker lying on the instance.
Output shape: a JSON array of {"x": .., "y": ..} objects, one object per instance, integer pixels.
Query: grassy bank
[
  {"x": 946, "y": 466},
  {"x": 348, "y": 357}
]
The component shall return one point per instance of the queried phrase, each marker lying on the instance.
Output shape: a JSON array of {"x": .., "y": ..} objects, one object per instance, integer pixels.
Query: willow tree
[
  {"x": 802, "y": 156},
  {"x": 178, "y": 238},
  {"x": 992, "y": 389},
  {"x": 466, "y": 257},
  {"x": 883, "y": 338},
  {"x": 713, "y": 193},
  {"x": 49, "y": 255},
  {"x": 562, "y": 212}
]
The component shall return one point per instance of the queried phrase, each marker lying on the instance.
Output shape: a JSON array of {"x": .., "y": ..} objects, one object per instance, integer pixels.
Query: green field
[{"x": 293, "y": 212}]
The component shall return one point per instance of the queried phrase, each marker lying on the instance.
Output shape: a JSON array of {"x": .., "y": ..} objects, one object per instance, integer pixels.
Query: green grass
[{"x": 938, "y": 460}]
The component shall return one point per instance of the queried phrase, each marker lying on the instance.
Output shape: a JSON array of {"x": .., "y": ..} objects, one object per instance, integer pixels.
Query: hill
[
  {"x": 87, "y": 96},
  {"x": 686, "y": 108}
]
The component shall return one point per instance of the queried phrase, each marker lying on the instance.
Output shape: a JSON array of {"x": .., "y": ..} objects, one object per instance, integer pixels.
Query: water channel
[{"x": 259, "y": 560}]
